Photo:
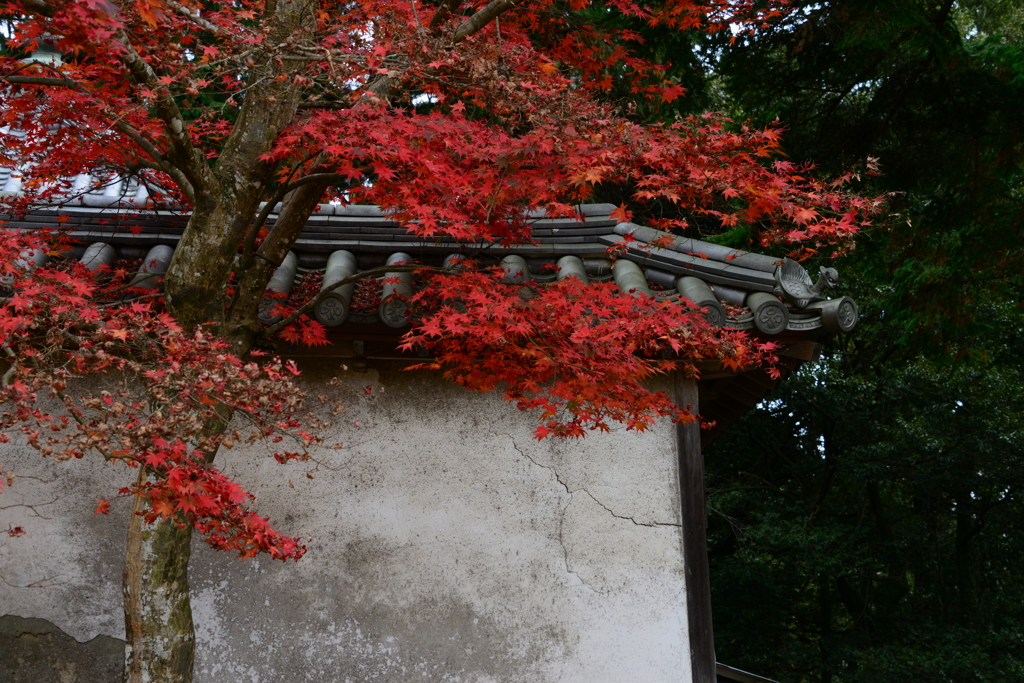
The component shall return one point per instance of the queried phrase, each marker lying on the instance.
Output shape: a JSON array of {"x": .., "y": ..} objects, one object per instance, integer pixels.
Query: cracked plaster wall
[{"x": 447, "y": 545}]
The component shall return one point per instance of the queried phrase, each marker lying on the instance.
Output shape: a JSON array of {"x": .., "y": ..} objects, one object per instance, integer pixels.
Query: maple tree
[{"x": 458, "y": 117}]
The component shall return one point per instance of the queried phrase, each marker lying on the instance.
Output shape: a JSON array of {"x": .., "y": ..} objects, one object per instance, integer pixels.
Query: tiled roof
[
  {"x": 345, "y": 239},
  {"x": 771, "y": 297}
]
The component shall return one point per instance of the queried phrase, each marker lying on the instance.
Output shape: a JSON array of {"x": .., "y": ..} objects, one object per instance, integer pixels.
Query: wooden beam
[
  {"x": 747, "y": 393},
  {"x": 695, "y": 545},
  {"x": 805, "y": 350},
  {"x": 762, "y": 379}
]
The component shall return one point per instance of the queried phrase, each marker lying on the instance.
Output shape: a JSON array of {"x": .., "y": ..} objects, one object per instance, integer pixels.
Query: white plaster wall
[{"x": 447, "y": 545}]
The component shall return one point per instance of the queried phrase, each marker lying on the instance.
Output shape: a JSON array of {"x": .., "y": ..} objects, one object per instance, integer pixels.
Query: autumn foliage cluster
[
  {"x": 163, "y": 391},
  {"x": 459, "y": 117},
  {"x": 579, "y": 354},
  {"x": 455, "y": 120}
]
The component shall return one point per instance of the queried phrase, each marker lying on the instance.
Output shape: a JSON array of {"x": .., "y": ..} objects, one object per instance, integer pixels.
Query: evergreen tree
[{"x": 865, "y": 520}]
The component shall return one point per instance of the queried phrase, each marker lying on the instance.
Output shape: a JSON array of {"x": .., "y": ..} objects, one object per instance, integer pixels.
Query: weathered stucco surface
[
  {"x": 36, "y": 651},
  {"x": 447, "y": 545}
]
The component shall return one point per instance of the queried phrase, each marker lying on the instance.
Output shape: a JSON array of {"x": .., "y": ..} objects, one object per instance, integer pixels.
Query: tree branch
[
  {"x": 446, "y": 10},
  {"x": 38, "y": 80},
  {"x": 268, "y": 208},
  {"x": 6, "y": 379},
  {"x": 194, "y": 164},
  {"x": 479, "y": 20},
  {"x": 39, "y": 7},
  {"x": 198, "y": 20},
  {"x": 330, "y": 178},
  {"x": 279, "y": 196},
  {"x": 296, "y": 208},
  {"x": 161, "y": 162}
]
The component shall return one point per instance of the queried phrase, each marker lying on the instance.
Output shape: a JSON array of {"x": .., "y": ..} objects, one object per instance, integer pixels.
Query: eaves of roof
[
  {"x": 770, "y": 295},
  {"x": 772, "y": 298}
]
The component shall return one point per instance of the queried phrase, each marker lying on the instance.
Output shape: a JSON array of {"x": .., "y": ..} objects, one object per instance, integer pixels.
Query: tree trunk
[
  {"x": 965, "y": 531},
  {"x": 157, "y": 612},
  {"x": 825, "y": 605},
  {"x": 158, "y": 615}
]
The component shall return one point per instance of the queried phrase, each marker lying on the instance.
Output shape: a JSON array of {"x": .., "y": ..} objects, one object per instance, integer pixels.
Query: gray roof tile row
[{"x": 102, "y": 215}]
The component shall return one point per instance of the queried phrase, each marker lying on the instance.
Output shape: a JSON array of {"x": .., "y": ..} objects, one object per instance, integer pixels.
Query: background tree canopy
[{"x": 866, "y": 521}]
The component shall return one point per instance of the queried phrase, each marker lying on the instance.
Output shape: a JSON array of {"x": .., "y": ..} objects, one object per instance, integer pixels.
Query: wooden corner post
[{"x": 695, "y": 546}]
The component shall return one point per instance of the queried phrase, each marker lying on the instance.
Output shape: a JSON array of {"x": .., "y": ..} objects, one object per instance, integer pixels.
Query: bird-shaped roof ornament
[{"x": 795, "y": 286}]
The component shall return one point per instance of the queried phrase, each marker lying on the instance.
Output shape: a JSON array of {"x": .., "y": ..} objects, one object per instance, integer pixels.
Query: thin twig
[
  {"x": 195, "y": 17},
  {"x": 129, "y": 301},
  {"x": 34, "y": 584}
]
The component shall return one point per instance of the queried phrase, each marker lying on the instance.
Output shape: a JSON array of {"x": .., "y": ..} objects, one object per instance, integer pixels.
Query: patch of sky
[{"x": 424, "y": 98}]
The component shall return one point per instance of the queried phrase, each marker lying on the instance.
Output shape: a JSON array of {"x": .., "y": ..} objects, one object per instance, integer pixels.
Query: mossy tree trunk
[
  {"x": 225, "y": 195},
  {"x": 157, "y": 611}
]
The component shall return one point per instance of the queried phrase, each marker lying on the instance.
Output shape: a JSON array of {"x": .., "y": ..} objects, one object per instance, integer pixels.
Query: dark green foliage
[
  {"x": 919, "y": 87},
  {"x": 867, "y": 522},
  {"x": 868, "y": 528}
]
